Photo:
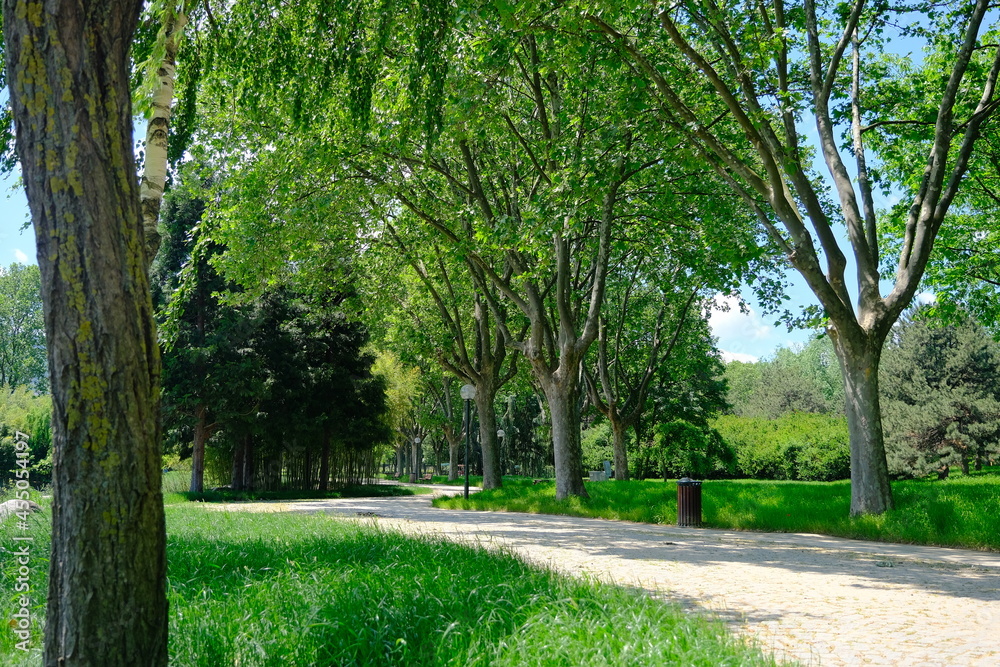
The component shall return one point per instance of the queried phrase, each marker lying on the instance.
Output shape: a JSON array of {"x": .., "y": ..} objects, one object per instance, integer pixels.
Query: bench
[{"x": 426, "y": 478}]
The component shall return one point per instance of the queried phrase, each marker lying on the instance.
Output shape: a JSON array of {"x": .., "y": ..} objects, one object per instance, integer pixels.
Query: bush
[
  {"x": 680, "y": 449},
  {"x": 22, "y": 410},
  {"x": 597, "y": 446},
  {"x": 797, "y": 446}
]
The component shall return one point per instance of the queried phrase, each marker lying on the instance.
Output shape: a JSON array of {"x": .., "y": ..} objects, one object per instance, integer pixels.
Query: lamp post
[
  {"x": 414, "y": 454},
  {"x": 503, "y": 449},
  {"x": 468, "y": 393}
]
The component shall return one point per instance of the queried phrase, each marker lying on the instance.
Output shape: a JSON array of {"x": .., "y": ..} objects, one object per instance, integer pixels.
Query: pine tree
[{"x": 941, "y": 396}]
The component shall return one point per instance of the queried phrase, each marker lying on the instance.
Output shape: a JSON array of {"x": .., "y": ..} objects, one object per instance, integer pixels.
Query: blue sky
[{"x": 15, "y": 245}]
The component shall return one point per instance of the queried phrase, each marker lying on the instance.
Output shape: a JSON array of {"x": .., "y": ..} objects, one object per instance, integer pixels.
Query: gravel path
[{"x": 816, "y": 599}]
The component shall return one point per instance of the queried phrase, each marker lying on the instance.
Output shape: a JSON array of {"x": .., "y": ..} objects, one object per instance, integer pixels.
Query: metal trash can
[{"x": 688, "y": 502}]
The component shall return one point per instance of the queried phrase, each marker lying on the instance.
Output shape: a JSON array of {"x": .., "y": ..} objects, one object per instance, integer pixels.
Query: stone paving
[{"x": 808, "y": 598}]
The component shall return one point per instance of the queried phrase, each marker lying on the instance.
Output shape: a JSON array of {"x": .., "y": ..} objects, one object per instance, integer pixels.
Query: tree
[
  {"x": 941, "y": 396},
  {"x": 468, "y": 341},
  {"x": 619, "y": 388},
  {"x": 803, "y": 379},
  {"x": 764, "y": 73},
  {"x": 67, "y": 70},
  {"x": 22, "y": 328}
]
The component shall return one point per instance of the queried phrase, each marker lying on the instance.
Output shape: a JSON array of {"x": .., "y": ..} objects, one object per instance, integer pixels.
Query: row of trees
[
  {"x": 521, "y": 141},
  {"x": 538, "y": 157}
]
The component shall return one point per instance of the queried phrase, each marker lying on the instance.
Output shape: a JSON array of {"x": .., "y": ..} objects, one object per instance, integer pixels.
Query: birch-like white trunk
[{"x": 154, "y": 173}]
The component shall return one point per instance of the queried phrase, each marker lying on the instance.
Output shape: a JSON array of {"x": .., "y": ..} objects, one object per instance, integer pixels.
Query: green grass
[
  {"x": 960, "y": 511},
  {"x": 281, "y": 589}
]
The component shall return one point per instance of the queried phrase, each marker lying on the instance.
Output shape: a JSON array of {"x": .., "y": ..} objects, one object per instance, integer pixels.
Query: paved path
[{"x": 816, "y": 599}]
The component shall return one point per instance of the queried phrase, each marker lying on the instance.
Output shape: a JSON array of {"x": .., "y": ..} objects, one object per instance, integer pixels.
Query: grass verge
[
  {"x": 960, "y": 511},
  {"x": 282, "y": 589}
]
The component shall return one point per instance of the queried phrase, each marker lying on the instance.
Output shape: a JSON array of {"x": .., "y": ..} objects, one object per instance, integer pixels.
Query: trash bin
[{"x": 688, "y": 502}]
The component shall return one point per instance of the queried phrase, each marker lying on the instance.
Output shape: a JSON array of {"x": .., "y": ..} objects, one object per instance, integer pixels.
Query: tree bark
[
  {"x": 201, "y": 433},
  {"x": 561, "y": 397},
  {"x": 68, "y": 74},
  {"x": 454, "y": 444},
  {"x": 485, "y": 396},
  {"x": 859, "y": 359},
  {"x": 618, "y": 431},
  {"x": 154, "y": 174}
]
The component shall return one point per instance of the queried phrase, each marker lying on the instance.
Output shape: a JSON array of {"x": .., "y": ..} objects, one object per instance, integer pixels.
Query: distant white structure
[{"x": 10, "y": 507}]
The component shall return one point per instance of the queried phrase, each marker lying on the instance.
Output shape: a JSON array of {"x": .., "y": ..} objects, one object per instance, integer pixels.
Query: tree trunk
[
  {"x": 198, "y": 450},
  {"x": 485, "y": 395},
  {"x": 563, "y": 411},
  {"x": 154, "y": 173},
  {"x": 68, "y": 79},
  {"x": 859, "y": 360},
  {"x": 454, "y": 444},
  {"x": 324, "y": 462},
  {"x": 414, "y": 458},
  {"x": 618, "y": 432}
]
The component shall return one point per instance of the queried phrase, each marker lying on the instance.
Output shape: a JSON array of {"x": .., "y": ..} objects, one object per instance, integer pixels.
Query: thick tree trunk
[
  {"x": 563, "y": 411},
  {"x": 859, "y": 360},
  {"x": 485, "y": 395},
  {"x": 198, "y": 449},
  {"x": 454, "y": 445},
  {"x": 618, "y": 431},
  {"x": 68, "y": 79}
]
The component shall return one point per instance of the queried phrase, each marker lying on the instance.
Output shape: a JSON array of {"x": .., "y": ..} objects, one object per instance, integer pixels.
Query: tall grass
[
  {"x": 281, "y": 589},
  {"x": 960, "y": 511}
]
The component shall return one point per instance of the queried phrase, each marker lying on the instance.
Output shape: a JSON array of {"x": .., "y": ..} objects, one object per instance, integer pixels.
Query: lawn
[
  {"x": 284, "y": 589},
  {"x": 960, "y": 511}
]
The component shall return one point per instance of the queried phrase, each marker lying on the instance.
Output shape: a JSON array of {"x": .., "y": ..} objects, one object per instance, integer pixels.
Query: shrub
[
  {"x": 800, "y": 446},
  {"x": 596, "y": 443},
  {"x": 680, "y": 448}
]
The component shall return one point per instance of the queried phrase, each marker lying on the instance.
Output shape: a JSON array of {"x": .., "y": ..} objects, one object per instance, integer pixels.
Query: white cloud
[
  {"x": 743, "y": 336},
  {"x": 925, "y": 298},
  {"x": 20, "y": 256},
  {"x": 728, "y": 321},
  {"x": 738, "y": 356}
]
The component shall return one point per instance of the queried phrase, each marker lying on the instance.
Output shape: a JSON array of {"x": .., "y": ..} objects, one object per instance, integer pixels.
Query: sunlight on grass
[
  {"x": 960, "y": 511},
  {"x": 289, "y": 589}
]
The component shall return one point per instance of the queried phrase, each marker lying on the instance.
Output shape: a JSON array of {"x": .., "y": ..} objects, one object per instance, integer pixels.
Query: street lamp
[{"x": 468, "y": 393}]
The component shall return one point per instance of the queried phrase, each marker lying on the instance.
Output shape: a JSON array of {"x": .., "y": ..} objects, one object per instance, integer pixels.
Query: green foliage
[
  {"x": 22, "y": 329},
  {"x": 959, "y": 512},
  {"x": 596, "y": 443},
  {"x": 276, "y": 361},
  {"x": 21, "y": 409},
  {"x": 805, "y": 379},
  {"x": 799, "y": 446},
  {"x": 688, "y": 450},
  {"x": 941, "y": 399}
]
